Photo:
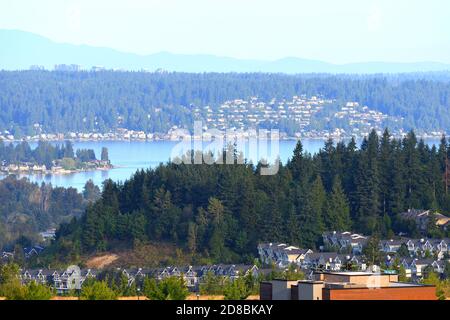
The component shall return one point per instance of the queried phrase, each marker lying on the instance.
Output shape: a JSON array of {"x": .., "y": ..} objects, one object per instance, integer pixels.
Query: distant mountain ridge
[{"x": 22, "y": 49}]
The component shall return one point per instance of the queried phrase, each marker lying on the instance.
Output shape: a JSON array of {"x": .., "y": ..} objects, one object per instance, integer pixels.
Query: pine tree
[
  {"x": 216, "y": 211},
  {"x": 104, "y": 155},
  {"x": 292, "y": 228},
  {"x": 397, "y": 188},
  {"x": 92, "y": 232},
  {"x": 68, "y": 150},
  {"x": 385, "y": 166},
  {"x": 296, "y": 164},
  {"x": 311, "y": 216},
  {"x": 138, "y": 226},
  {"x": 192, "y": 238},
  {"x": 328, "y": 165},
  {"x": 337, "y": 213},
  {"x": 367, "y": 189},
  {"x": 372, "y": 250},
  {"x": 412, "y": 171}
]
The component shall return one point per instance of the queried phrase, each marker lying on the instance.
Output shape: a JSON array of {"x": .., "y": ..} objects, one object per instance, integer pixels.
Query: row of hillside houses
[
  {"x": 74, "y": 277},
  {"x": 354, "y": 243},
  {"x": 62, "y": 281},
  {"x": 415, "y": 268},
  {"x": 418, "y": 247},
  {"x": 283, "y": 256},
  {"x": 28, "y": 252},
  {"x": 344, "y": 241}
]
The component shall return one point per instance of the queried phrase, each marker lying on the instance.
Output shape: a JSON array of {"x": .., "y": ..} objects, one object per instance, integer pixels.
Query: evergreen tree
[
  {"x": 412, "y": 171},
  {"x": 68, "y": 150},
  {"x": 97, "y": 290},
  {"x": 104, "y": 154},
  {"x": 311, "y": 217},
  {"x": 337, "y": 213},
  {"x": 367, "y": 190},
  {"x": 403, "y": 251},
  {"x": 171, "y": 288},
  {"x": 221, "y": 213},
  {"x": 236, "y": 290},
  {"x": 293, "y": 228},
  {"x": 372, "y": 250}
]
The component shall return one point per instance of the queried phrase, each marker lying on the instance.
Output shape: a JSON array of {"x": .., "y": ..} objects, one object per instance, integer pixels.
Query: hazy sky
[{"x": 336, "y": 31}]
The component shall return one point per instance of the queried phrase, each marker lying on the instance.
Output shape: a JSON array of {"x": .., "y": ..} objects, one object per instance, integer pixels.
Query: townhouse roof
[
  {"x": 328, "y": 256},
  {"x": 423, "y": 261},
  {"x": 393, "y": 242},
  {"x": 298, "y": 251}
]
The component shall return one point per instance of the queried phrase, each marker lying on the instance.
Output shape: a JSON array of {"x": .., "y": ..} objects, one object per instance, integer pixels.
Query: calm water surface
[{"x": 129, "y": 156}]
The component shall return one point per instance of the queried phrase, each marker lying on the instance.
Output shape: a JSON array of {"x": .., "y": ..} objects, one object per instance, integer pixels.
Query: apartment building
[{"x": 346, "y": 286}]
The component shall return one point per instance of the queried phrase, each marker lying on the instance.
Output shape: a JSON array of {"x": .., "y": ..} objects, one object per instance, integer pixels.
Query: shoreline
[
  {"x": 321, "y": 138},
  {"x": 54, "y": 173}
]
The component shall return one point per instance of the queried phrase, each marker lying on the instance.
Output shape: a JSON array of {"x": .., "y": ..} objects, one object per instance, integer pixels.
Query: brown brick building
[{"x": 346, "y": 286}]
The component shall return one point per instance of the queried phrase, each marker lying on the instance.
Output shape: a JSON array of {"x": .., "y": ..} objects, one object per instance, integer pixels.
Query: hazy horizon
[
  {"x": 221, "y": 56},
  {"x": 339, "y": 33}
]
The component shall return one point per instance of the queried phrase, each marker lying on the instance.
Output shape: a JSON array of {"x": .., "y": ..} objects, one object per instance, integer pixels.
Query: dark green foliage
[
  {"x": 212, "y": 284},
  {"x": 171, "y": 288},
  {"x": 27, "y": 208},
  {"x": 221, "y": 212},
  {"x": 12, "y": 289},
  {"x": 372, "y": 251},
  {"x": 447, "y": 270},
  {"x": 236, "y": 290},
  {"x": 97, "y": 290},
  {"x": 293, "y": 273},
  {"x": 91, "y": 192},
  {"x": 403, "y": 251},
  {"x": 120, "y": 283},
  {"x": 38, "y": 291},
  {"x": 104, "y": 101},
  {"x": 337, "y": 211},
  {"x": 311, "y": 216},
  {"x": 45, "y": 153},
  {"x": 86, "y": 155}
]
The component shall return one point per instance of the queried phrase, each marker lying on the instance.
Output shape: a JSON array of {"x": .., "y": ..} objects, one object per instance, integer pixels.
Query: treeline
[
  {"x": 104, "y": 101},
  {"x": 27, "y": 208},
  {"x": 222, "y": 211},
  {"x": 44, "y": 153}
]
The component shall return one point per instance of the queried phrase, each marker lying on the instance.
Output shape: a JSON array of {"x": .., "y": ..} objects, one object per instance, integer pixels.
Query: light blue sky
[{"x": 338, "y": 31}]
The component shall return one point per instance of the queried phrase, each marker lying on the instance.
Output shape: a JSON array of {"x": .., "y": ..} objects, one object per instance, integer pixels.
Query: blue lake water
[{"x": 129, "y": 156}]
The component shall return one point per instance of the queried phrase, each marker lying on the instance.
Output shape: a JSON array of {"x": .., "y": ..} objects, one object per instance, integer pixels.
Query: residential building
[
  {"x": 345, "y": 241},
  {"x": 422, "y": 218},
  {"x": 281, "y": 254},
  {"x": 346, "y": 286}
]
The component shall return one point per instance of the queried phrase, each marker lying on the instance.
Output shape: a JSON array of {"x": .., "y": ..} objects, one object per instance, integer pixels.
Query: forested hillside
[
  {"x": 104, "y": 101},
  {"x": 27, "y": 208},
  {"x": 222, "y": 211}
]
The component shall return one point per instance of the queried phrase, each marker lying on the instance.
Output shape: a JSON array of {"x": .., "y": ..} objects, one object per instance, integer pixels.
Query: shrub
[
  {"x": 171, "y": 288},
  {"x": 37, "y": 291},
  {"x": 236, "y": 290},
  {"x": 97, "y": 290}
]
